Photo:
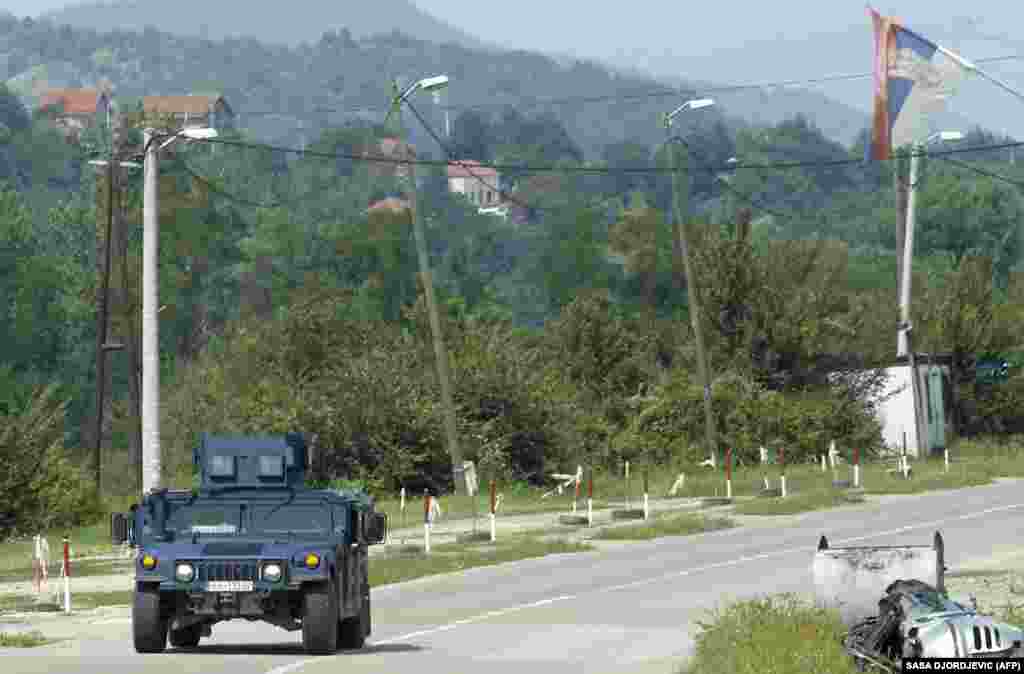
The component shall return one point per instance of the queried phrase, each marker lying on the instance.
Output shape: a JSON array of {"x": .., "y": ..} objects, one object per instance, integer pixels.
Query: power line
[
  {"x": 984, "y": 172},
  {"x": 611, "y": 98},
  {"x": 594, "y": 170}
]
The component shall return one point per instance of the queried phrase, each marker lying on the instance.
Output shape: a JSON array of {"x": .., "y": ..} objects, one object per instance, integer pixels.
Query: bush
[
  {"x": 366, "y": 395},
  {"x": 748, "y": 415},
  {"x": 771, "y": 635},
  {"x": 41, "y": 487}
]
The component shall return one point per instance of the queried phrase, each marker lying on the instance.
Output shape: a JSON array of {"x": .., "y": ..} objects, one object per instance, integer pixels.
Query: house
[
  {"x": 388, "y": 204},
  {"x": 391, "y": 149},
  {"x": 192, "y": 111},
  {"x": 76, "y": 109},
  {"x": 477, "y": 182}
]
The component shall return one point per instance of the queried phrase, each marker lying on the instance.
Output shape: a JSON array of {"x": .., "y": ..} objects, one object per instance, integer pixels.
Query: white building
[{"x": 478, "y": 183}]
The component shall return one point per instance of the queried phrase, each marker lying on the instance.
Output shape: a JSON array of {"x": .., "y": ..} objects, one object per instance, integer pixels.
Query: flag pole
[{"x": 978, "y": 71}]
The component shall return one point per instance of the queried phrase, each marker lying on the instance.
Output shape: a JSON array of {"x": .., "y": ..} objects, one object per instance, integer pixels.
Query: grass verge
[
  {"x": 773, "y": 635},
  {"x": 665, "y": 525},
  {"x": 817, "y": 499},
  {"x": 52, "y": 601},
  {"x": 453, "y": 557},
  {"x": 24, "y": 640}
]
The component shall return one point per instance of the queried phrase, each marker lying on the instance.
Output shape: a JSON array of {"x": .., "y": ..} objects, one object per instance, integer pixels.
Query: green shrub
[
  {"x": 771, "y": 635},
  {"x": 41, "y": 485}
]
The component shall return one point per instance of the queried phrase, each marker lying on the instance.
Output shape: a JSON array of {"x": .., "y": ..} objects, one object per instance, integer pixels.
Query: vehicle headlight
[
  {"x": 312, "y": 560},
  {"x": 148, "y": 562},
  {"x": 184, "y": 573},
  {"x": 272, "y": 572}
]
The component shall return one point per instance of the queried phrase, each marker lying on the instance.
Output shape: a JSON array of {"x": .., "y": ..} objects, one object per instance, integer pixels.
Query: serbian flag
[{"x": 913, "y": 79}]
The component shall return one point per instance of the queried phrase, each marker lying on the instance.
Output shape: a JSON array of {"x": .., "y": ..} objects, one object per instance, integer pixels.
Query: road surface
[{"x": 628, "y": 608}]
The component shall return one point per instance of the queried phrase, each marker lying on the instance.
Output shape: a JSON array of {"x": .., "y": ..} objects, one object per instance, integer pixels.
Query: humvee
[{"x": 251, "y": 542}]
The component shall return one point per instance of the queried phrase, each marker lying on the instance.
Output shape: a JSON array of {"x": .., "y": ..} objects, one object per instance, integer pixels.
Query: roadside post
[
  {"x": 494, "y": 512},
  {"x": 426, "y": 521},
  {"x": 946, "y": 458},
  {"x": 647, "y": 510},
  {"x": 402, "y": 511},
  {"x": 590, "y": 499},
  {"x": 576, "y": 496},
  {"x": 856, "y": 467},
  {"x": 66, "y": 572},
  {"x": 627, "y": 486},
  {"x": 782, "y": 468},
  {"x": 728, "y": 472}
]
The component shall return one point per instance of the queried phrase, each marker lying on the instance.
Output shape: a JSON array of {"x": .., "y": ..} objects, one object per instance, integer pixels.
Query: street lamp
[
  {"x": 433, "y": 85},
  {"x": 904, "y": 340},
  {"x": 683, "y": 227},
  {"x": 151, "y": 458}
]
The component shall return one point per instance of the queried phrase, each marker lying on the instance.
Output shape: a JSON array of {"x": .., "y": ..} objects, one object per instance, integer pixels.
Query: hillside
[{"x": 276, "y": 23}]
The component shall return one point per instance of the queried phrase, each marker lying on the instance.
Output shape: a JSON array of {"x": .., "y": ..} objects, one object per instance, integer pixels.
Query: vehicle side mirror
[
  {"x": 376, "y": 528},
  {"x": 119, "y": 527}
]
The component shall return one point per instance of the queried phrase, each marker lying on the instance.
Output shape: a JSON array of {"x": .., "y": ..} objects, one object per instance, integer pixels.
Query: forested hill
[{"x": 288, "y": 94}]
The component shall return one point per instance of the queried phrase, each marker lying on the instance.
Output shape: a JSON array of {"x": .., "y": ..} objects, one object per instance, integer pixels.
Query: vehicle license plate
[{"x": 229, "y": 586}]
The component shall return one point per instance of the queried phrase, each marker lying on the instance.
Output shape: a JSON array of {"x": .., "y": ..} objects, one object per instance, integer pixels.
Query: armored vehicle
[{"x": 251, "y": 542}]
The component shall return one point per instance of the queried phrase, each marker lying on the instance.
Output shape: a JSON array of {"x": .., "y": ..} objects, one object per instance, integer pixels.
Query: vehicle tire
[
  {"x": 320, "y": 619},
  {"x": 188, "y": 637},
  {"x": 149, "y": 625},
  {"x": 352, "y": 632}
]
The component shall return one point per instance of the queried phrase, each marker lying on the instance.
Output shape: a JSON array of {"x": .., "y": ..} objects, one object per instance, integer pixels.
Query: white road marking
[{"x": 295, "y": 666}]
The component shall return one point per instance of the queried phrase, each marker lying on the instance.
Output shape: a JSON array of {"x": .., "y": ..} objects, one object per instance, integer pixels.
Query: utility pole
[
  {"x": 103, "y": 305},
  {"x": 683, "y": 227},
  {"x": 906, "y": 328},
  {"x": 440, "y": 353},
  {"x": 151, "y": 458}
]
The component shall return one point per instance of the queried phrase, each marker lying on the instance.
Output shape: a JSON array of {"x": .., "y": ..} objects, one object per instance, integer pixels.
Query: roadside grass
[
  {"x": 782, "y": 634},
  {"x": 79, "y": 569},
  {"x": 24, "y": 640},
  {"x": 665, "y": 525},
  {"x": 52, "y": 601},
  {"x": 451, "y": 557},
  {"x": 805, "y": 501}
]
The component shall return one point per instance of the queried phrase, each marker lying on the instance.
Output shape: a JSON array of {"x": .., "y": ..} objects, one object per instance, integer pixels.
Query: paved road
[{"x": 627, "y": 608}]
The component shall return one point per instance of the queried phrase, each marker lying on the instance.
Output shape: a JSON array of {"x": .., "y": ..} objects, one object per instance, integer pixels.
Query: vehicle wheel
[
  {"x": 149, "y": 625},
  {"x": 188, "y": 637},
  {"x": 320, "y": 619},
  {"x": 352, "y": 633}
]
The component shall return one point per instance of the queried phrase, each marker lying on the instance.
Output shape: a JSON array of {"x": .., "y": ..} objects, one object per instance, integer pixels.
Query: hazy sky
[{"x": 741, "y": 41}]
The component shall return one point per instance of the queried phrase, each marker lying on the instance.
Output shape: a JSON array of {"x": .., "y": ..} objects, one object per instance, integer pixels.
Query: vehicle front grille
[{"x": 207, "y": 570}]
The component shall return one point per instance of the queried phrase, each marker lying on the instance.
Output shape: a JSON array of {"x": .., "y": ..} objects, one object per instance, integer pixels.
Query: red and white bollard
[
  {"x": 576, "y": 497},
  {"x": 647, "y": 510},
  {"x": 782, "y": 476},
  {"x": 728, "y": 472},
  {"x": 426, "y": 521},
  {"x": 590, "y": 499},
  {"x": 67, "y": 575},
  {"x": 494, "y": 512}
]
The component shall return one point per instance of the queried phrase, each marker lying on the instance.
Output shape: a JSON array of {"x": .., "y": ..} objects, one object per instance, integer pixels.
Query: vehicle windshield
[
  {"x": 298, "y": 520},
  {"x": 217, "y": 519}
]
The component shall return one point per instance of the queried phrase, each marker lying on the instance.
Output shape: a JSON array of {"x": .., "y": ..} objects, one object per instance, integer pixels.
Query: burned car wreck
[{"x": 915, "y": 620}]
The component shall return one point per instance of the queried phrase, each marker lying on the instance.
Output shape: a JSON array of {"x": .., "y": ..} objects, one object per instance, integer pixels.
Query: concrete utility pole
[
  {"x": 151, "y": 458},
  {"x": 440, "y": 353},
  {"x": 151, "y": 452},
  {"x": 683, "y": 226},
  {"x": 905, "y": 342}
]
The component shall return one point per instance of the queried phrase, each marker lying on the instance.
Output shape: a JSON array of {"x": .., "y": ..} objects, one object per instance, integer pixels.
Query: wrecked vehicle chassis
[
  {"x": 913, "y": 618},
  {"x": 917, "y": 621}
]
